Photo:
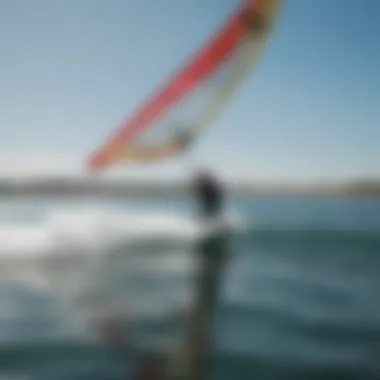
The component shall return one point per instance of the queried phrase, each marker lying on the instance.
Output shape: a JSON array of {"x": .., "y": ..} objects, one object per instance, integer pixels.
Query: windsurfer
[{"x": 209, "y": 194}]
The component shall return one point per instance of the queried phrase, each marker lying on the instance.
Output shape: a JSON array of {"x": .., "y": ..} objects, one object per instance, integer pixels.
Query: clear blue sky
[{"x": 70, "y": 70}]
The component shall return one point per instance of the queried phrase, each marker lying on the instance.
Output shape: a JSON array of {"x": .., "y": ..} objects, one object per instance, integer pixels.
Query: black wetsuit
[{"x": 209, "y": 195}]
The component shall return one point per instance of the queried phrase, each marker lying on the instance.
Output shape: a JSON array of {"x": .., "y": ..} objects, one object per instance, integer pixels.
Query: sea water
[{"x": 300, "y": 297}]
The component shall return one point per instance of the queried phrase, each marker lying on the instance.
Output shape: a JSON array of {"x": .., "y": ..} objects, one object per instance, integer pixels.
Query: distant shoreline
[{"x": 124, "y": 189}]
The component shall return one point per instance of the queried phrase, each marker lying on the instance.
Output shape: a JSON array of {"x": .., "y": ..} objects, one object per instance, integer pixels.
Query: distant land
[{"x": 128, "y": 188}]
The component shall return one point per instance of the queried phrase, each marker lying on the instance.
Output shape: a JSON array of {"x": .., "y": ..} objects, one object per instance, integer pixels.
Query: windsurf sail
[{"x": 173, "y": 119}]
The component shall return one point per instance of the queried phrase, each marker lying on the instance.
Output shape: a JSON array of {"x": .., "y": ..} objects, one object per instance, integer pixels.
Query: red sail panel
[{"x": 203, "y": 65}]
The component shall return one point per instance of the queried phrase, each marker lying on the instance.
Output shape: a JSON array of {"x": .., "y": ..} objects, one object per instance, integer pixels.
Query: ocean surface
[{"x": 300, "y": 297}]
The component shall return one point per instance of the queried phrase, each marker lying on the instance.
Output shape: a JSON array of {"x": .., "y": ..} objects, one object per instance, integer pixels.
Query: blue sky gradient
[{"x": 71, "y": 70}]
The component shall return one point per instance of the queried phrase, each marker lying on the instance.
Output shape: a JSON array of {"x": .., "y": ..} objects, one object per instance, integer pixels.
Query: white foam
[
  {"x": 90, "y": 228},
  {"x": 69, "y": 247}
]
